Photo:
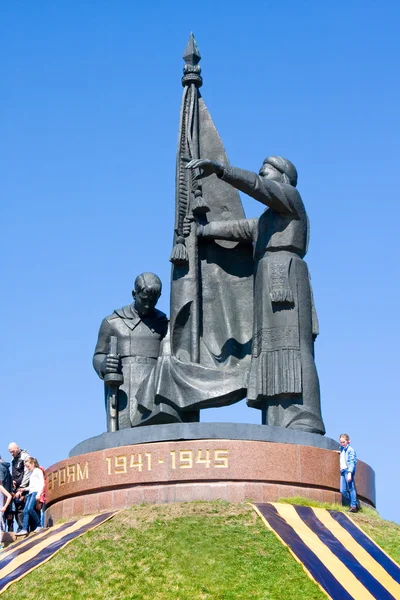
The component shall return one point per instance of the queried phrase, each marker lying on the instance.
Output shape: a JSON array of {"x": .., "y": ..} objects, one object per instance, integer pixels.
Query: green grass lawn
[{"x": 188, "y": 551}]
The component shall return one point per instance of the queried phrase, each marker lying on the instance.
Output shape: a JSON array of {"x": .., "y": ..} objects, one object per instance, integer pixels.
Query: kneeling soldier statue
[{"x": 127, "y": 350}]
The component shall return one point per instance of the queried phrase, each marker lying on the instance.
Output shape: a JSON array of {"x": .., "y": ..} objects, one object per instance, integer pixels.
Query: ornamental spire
[
  {"x": 191, "y": 70},
  {"x": 191, "y": 55}
]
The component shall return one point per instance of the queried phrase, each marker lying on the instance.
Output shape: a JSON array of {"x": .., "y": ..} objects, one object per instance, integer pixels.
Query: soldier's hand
[
  {"x": 207, "y": 167},
  {"x": 112, "y": 364}
]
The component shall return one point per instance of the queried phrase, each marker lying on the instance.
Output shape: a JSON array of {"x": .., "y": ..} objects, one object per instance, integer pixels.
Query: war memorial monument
[{"x": 242, "y": 324}]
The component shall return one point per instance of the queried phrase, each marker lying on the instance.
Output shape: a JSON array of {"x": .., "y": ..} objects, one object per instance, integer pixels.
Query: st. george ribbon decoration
[{"x": 211, "y": 280}]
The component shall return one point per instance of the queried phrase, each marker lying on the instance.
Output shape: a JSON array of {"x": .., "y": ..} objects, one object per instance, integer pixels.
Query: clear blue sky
[{"x": 89, "y": 113}]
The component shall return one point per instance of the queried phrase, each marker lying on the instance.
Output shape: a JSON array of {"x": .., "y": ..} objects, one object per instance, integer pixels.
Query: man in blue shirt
[{"x": 348, "y": 463}]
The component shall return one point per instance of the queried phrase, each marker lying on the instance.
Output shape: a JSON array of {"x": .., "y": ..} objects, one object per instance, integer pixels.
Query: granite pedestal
[{"x": 197, "y": 461}]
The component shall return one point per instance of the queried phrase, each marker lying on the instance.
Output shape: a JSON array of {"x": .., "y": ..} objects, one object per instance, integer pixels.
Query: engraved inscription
[
  {"x": 141, "y": 462},
  {"x": 67, "y": 474},
  {"x": 178, "y": 459}
]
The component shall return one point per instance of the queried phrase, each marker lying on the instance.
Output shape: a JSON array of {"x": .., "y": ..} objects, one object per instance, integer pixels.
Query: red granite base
[
  {"x": 182, "y": 471},
  {"x": 232, "y": 491}
]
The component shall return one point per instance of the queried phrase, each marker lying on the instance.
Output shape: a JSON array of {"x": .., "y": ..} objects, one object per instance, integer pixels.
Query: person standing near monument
[
  {"x": 283, "y": 380},
  {"x": 5, "y": 500},
  {"x": 20, "y": 480},
  {"x": 348, "y": 464},
  {"x": 31, "y": 520},
  {"x": 139, "y": 329},
  {"x": 6, "y": 482}
]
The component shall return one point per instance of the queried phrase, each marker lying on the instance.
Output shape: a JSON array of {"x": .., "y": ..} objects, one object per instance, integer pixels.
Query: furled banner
[{"x": 211, "y": 280}]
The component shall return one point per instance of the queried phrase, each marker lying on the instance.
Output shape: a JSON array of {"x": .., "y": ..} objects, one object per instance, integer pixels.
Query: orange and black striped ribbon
[
  {"x": 27, "y": 554},
  {"x": 335, "y": 553}
]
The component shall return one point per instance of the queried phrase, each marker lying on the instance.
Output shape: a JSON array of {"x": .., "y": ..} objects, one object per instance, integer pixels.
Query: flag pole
[{"x": 189, "y": 195}]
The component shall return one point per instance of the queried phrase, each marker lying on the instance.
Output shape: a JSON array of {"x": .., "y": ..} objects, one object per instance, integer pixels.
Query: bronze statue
[
  {"x": 242, "y": 318},
  {"x": 137, "y": 330},
  {"x": 283, "y": 379}
]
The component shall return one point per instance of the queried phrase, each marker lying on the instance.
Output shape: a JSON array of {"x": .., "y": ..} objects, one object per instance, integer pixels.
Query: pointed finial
[
  {"x": 192, "y": 70},
  {"x": 191, "y": 55}
]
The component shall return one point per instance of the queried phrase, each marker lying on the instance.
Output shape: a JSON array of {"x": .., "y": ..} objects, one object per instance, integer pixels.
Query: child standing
[{"x": 348, "y": 463}]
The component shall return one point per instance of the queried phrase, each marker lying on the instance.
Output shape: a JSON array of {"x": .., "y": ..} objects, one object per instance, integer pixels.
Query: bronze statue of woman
[{"x": 283, "y": 380}]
